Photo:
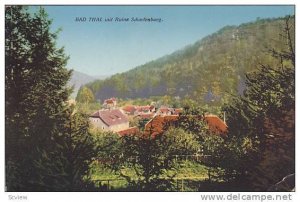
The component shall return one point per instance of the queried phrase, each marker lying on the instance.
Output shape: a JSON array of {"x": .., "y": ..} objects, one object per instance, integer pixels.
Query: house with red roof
[
  {"x": 110, "y": 103},
  {"x": 145, "y": 116},
  {"x": 160, "y": 123},
  {"x": 164, "y": 111},
  {"x": 138, "y": 110},
  {"x": 147, "y": 109},
  {"x": 129, "y": 109},
  {"x": 109, "y": 120},
  {"x": 216, "y": 125},
  {"x": 130, "y": 131}
]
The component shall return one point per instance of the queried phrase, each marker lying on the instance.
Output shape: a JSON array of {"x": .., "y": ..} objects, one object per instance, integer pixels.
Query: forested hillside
[{"x": 208, "y": 71}]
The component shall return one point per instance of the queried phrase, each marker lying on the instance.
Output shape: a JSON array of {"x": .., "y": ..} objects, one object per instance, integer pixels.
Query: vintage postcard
[{"x": 150, "y": 98}]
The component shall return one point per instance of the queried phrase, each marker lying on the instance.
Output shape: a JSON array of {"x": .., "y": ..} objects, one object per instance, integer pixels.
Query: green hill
[{"x": 209, "y": 70}]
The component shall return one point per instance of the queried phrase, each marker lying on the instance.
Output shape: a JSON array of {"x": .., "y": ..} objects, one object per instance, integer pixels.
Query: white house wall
[
  {"x": 98, "y": 123},
  {"x": 119, "y": 127}
]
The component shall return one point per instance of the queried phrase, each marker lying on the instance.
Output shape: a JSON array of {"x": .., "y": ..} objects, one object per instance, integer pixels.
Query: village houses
[
  {"x": 159, "y": 119},
  {"x": 110, "y": 120}
]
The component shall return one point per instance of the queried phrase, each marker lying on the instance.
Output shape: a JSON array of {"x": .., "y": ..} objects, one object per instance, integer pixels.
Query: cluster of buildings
[
  {"x": 149, "y": 111},
  {"x": 112, "y": 118}
]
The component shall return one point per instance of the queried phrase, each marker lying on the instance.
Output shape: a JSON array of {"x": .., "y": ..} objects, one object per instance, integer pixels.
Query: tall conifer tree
[{"x": 38, "y": 131}]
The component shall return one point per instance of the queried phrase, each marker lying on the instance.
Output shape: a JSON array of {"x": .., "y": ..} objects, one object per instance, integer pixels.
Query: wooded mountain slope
[{"x": 207, "y": 71}]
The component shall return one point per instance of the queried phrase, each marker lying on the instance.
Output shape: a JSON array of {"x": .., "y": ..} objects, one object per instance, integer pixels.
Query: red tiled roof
[
  {"x": 158, "y": 123},
  {"x": 129, "y": 131},
  {"x": 110, "y": 100},
  {"x": 129, "y": 108},
  {"x": 215, "y": 124},
  {"x": 143, "y": 108},
  {"x": 146, "y": 116},
  {"x": 111, "y": 117},
  {"x": 164, "y": 110}
]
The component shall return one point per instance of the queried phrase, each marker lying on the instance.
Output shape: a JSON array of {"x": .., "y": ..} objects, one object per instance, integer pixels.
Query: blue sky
[{"x": 106, "y": 48}]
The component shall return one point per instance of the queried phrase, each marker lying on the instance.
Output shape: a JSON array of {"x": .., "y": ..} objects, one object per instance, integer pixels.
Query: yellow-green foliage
[{"x": 85, "y": 95}]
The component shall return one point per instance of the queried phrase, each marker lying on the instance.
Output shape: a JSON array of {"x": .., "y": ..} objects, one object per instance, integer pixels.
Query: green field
[{"x": 188, "y": 176}]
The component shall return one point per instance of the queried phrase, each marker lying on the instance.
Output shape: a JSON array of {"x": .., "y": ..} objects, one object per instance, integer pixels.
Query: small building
[
  {"x": 129, "y": 109},
  {"x": 145, "y": 116},
  {"x": 148, "y": 109},
  {"x": 152, "y": 108},
  {"x": 165, "y": 111},
  {"x": 110, "y": 120},
  {"x": 110, "y": 103}
]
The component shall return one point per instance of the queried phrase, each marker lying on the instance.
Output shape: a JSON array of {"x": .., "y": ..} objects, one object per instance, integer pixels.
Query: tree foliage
[
  {"x": 191, "y": 120},
  {"x": 265, "y": 116},
  {"x": 179, "y": 142},
  {"x": 66, "y": 167},
  {"x": 85, "y": 95},
  {"x": 46, "y": 147},
  {"x": 151, "y": 156},
  {"x": 109, "y": 150}
]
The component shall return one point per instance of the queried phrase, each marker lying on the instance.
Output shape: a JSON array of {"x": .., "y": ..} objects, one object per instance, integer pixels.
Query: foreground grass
[{"x": 187, "y": 176}]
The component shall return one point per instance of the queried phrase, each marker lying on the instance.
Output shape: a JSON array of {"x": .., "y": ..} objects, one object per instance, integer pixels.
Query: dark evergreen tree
[
  {"x": 269, "y": 96},
  {"x": 66, "y": 167},
  {"x": 41, "y": 149}
]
